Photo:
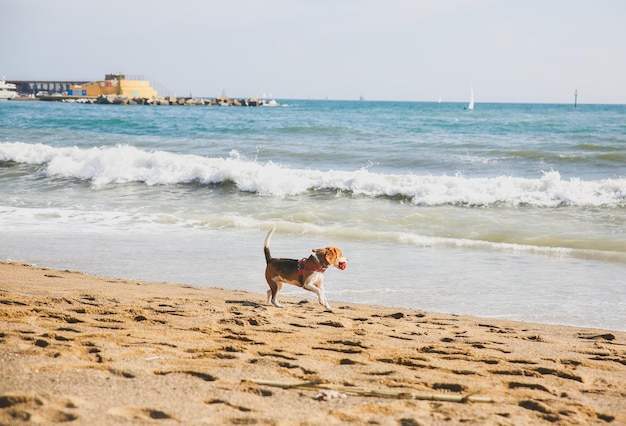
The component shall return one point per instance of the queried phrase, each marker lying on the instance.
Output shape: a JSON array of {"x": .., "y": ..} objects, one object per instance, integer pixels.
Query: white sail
[{"x": 470, "y": 106}]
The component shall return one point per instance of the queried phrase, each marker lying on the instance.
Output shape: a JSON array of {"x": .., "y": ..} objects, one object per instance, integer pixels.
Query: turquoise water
[{"x": 509, "y": 210}]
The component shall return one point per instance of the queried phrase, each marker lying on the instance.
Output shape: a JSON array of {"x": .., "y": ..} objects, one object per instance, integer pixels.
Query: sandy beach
[{"x": 82, "y": 349}]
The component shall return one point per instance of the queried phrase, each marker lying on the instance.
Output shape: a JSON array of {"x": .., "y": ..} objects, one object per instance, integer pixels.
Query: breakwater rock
[{"x": 170, "y": 100}]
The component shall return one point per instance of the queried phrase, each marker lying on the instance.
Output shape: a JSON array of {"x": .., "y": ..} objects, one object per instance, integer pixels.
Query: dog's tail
[{"x": 266, "y": 247}]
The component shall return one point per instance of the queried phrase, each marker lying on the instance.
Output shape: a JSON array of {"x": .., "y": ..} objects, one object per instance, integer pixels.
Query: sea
[{"x": 509, "y": 211}]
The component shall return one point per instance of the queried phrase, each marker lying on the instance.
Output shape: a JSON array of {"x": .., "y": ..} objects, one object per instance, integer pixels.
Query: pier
[{"x": 118, "y": 90}]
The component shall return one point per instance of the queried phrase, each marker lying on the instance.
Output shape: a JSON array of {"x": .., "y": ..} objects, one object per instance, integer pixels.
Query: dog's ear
[{"x": 332, "y": 255}]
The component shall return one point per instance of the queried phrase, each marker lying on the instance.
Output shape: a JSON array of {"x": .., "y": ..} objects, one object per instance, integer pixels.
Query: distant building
[{"x": 115, "y": 84}]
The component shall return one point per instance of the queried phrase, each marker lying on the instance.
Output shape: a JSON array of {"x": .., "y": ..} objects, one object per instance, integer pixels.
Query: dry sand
[{"x": 90, "y": 350}]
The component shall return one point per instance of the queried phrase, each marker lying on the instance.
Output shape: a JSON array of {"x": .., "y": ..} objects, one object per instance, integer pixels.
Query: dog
[{"x": 307, "y": 273}]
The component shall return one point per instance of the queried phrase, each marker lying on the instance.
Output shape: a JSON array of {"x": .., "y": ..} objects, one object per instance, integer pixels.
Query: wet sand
[{"x": 93, "y": 350}]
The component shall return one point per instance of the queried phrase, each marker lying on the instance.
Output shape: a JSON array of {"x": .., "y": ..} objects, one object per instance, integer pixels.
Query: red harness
[{"x": 302, "y": 266}]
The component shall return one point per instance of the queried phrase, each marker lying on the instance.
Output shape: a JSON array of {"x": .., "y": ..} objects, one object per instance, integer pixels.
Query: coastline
[{"x": 86, "y": 349}]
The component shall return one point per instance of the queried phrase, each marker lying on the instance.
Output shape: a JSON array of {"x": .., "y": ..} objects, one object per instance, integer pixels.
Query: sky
[{"x": 532, "y": 51}]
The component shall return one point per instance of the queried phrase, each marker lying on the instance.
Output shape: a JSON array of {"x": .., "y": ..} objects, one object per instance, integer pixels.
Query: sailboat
[{"x": 470, "y": 106}]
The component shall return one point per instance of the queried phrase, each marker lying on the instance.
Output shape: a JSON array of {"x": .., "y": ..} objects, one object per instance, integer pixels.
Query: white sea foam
[{"x": 124, "y": 164}]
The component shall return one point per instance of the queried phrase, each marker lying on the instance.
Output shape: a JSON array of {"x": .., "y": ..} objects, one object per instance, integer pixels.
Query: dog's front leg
[
  {"x": 324, "y": 300},
  {"x": 321, "y": 294}
]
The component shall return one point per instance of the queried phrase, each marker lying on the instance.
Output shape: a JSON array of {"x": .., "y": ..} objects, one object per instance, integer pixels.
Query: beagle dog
[{"x": 307, "y": 273}]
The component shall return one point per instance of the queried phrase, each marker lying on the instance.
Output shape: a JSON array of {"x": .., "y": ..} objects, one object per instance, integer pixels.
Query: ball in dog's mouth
[{"x": 343, "y": 265}]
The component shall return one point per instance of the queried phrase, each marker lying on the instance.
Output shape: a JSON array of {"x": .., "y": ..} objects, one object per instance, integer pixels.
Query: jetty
[
  {"x": 222, "y": 101},
  {"x": 117, "y": 89}
]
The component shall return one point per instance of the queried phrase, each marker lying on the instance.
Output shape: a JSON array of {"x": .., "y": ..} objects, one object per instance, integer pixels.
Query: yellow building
[{"x": 115, "y": 84}]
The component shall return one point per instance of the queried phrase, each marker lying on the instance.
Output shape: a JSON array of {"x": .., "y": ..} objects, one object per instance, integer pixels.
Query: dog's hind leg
[{"x": 272, "y": 293}]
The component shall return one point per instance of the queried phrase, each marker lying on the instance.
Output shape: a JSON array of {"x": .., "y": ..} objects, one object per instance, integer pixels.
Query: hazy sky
[{"x": 414, "y": 50}]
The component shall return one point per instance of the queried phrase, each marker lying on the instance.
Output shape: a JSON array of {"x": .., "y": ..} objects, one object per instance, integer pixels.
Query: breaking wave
[{"x": 127, "y": 164}]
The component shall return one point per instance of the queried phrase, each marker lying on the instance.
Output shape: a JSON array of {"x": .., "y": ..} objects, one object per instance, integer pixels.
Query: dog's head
[{"x": 332, "y": 256}]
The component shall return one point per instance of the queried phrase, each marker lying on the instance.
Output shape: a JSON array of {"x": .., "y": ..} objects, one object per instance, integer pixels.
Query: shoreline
[{"x": 86, "y": 349}]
